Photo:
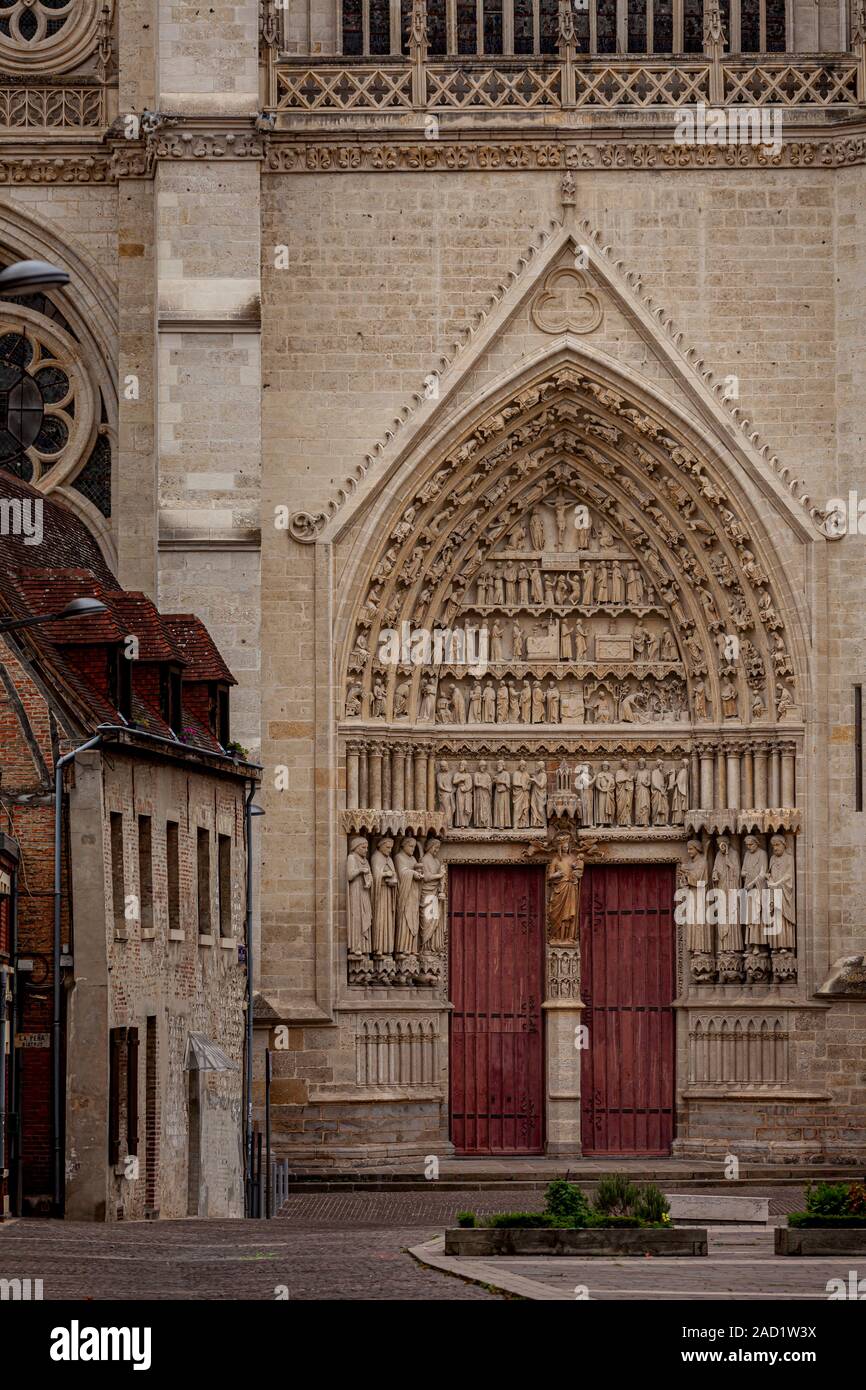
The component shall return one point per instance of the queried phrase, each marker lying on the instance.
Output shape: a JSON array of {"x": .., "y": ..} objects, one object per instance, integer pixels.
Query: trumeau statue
[{"x": 563, "y": 877}]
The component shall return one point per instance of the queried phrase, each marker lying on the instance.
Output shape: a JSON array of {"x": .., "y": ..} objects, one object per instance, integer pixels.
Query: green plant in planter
[
  {"x": 616, "y": 1195},
  {"x": 525, "y": 1220},
  {"x": 467, "y": 1218},
  {"x": 565, "y": 1205},
  {"x": 827, "y": 1199},
  {"x": 652, "y": 1205},
  {"x": 601, "y": 1220}
]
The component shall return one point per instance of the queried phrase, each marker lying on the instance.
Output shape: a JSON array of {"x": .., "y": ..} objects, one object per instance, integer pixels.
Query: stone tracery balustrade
[
  {"x": 381, "y": 84},
  {"x": 53, "y": 107}
]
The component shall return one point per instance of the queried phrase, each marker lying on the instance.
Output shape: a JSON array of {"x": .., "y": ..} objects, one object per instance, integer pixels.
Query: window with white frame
[{"x": 476, "y": 28}]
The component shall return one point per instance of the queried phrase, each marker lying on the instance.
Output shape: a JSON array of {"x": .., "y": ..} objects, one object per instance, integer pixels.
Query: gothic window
[
  {"x": 37, "y": 406},
  {"x": 693, "y": 27},
  {"x": 762, "y": 27}
]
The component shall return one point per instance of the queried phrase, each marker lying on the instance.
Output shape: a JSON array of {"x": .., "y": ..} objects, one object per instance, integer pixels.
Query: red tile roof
[{"x": 194, "y": 642}]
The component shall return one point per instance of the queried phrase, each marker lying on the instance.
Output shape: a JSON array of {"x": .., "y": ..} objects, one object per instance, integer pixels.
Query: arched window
[{"x": 762, "y": 27}]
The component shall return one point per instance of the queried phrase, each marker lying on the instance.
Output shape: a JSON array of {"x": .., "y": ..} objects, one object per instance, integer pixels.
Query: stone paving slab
[{"x": 733, "y": 1271}]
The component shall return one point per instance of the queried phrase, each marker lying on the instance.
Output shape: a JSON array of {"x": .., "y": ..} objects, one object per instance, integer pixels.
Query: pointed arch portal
[{"x": 569, "y": 632}]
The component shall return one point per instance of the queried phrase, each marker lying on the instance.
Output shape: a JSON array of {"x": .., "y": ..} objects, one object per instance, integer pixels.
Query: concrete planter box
[
  {"x": 820, "y": 1240},
  {"x": 461, "y": 1240}
]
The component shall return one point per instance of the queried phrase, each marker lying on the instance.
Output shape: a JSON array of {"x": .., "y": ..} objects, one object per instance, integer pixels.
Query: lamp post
[
  {"x": 26, "y": 277},
  {"x": 251, "y": 811},
  {"x": 77, "y": 608}
]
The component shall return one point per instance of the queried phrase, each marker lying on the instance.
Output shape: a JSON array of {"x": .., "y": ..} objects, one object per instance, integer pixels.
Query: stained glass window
[
  {"x": 523, "y": 35},
  {"x": 637, "y": 26},
  {"x": 776, "y": 37},
  {"x": 663, "y": 26},
  {"x": 353, "y": 28},
  {"x": 380, "y": 26},
  {"x": 467, "y": 26},
  {"x": 549, "y": 10},
  {"x": 750, "y": 26},
  {"x": 492, "y": 26},
  {"x": 693, "y": 26},
  {"x": 606, "y": 25}
]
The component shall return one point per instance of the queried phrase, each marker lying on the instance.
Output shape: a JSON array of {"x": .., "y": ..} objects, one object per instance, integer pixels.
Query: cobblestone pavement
[{"x": 322, "y": 1246}]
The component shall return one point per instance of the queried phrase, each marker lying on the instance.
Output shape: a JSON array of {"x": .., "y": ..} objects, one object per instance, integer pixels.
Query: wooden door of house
[
  {"x": 496, "y": 951},
  {"x": 628, "y": 976}
]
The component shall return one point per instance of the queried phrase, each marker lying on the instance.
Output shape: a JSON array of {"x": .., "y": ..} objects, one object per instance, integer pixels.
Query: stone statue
[
  {"x": 434, "y": 874},
  {"x": 401, "y": 699},
  {"x": 475, "y": 704},
  {"x": 536, "y": 530},
  {"x": 678, "y": 782},
  {"x": 427, "y": 706},
  {"x": 488, "y": 704},
  {"x": 538, "y": 796},
  {"x": 359, "y": 909},
  {"x": 580, "y": 643},
  {"x": 564, "y": 876},
  {"x": 458, "y": 705},
  {"x": 526, "y": 703},
  {"x": 729, "y": 696},
  {"x": 501, "y": 797},
  {"x": 482, "y": 784},
  {"x": 658, "y": 785},
  {"x": 642, "y": 797},
  {"x": 754, "y": 871},
  {"x": 624, "y": 794},
  {"x": 463, "y": 797},
  {"x": 520, "y": 782},
  {"x": 552, "y": 702},
  {"x": 726, "y": 880},
  {"x": 780, "y": 881},
  {"x": 584, "y": 782},
  {"x": 605, "y": 785},
  {"x": 384, "y": 896},
  {"x": 445, "y": 793},
  {"x": 692, "y": 876},
  {"x": 409, "y": 875}
]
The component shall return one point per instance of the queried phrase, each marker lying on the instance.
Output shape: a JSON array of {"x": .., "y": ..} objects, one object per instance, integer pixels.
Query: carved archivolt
[
  {"x": 572, "y": 561},
  {"x": 45, "y": 36}
]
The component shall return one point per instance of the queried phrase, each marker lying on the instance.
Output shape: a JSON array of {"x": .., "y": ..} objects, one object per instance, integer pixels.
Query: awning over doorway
[{"x": 204, "y": 1055}]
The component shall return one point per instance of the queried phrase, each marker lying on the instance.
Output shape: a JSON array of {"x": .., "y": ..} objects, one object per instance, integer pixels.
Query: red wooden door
[
  {"x": 496, "y": 942},
  {"x": 628, "y": 977}
]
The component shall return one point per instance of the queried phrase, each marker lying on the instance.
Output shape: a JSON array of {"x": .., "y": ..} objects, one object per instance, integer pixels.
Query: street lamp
[
  {"x": 26, "y": 277},
  {"x": 77, "y": 608}
]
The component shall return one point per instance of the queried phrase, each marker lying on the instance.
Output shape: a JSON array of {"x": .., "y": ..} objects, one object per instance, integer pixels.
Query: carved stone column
[
  {"x": 694, "y": 778},
  {"x": 747, "y": 783},
  {"x": 352, "y": 788},
  {"x": 760, "y": 758},
  {"x": 562, "y": 1012},
  {"x": 721, "y": 791},
  {"x": 789, "y": 790},
  {"x": 431, "y": 778},
  {"x": 387, "y": 803},
  {"x": 398, "y": 773},
  {"x": 363, "y": 775},
  {"x": 409, "y": 779},
  {"x": 420, "y": 801},
  {"x": 775, "y": 788},
  {"x": 376, "y": 777},
  {"x": 705, "y": 753},
  {"x": 732, "y": 755}
]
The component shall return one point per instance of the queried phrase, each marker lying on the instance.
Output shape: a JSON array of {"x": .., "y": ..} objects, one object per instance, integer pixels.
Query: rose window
[
  {"x": 37, "y": 406},
  {"x": 29, "y": 21}
]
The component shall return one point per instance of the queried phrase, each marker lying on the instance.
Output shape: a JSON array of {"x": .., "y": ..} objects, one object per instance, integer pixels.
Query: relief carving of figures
[
  {"x": 564, "y": 876},
  {"x": 384, "y": 896},
  {"x": 359, "y": 907}
]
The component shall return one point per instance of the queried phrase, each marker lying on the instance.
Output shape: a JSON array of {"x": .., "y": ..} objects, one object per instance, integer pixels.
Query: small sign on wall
[{"x": 32, "y": 1039}]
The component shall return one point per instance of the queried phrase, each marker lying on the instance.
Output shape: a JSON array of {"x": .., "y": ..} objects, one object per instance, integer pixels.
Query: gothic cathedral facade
[{"x": 489, "y": 377}]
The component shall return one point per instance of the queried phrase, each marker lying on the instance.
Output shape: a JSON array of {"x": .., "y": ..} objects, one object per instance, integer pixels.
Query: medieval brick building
[
  {"x": 124, "y": 993},
  {"x": 484, "y": 376}
]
